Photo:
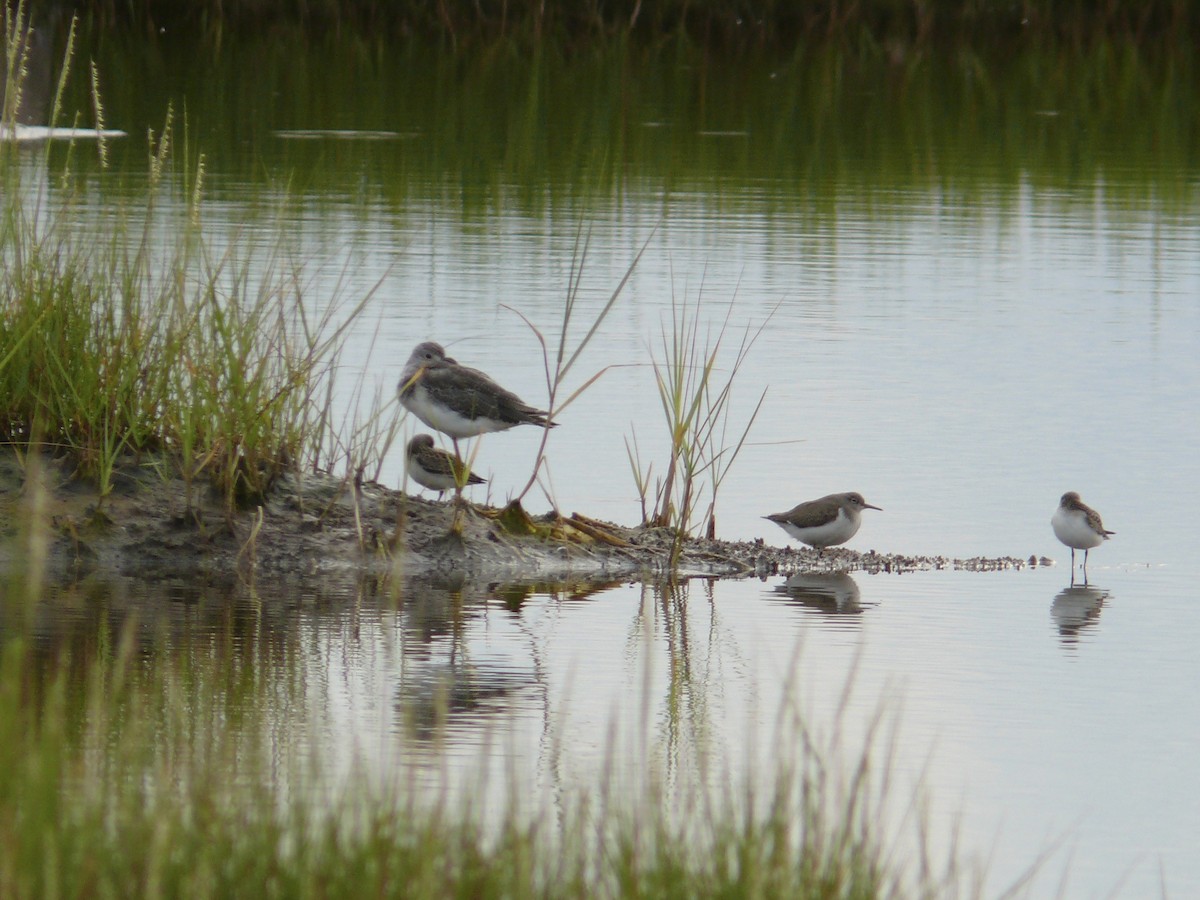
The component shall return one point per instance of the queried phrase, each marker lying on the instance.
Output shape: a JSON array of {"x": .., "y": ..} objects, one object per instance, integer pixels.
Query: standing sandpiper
[
  {"x": 1078, "y": 526},
  {"x": 825, "y": 522},
  {"x": 459, "y": 401},
  {"x": 436, "y": 469}
]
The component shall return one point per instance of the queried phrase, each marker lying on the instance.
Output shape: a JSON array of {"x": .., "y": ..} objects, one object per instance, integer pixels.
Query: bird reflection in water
[
  {"x": 1075, "y": 608},
  {"x": 832, "y": 594}
]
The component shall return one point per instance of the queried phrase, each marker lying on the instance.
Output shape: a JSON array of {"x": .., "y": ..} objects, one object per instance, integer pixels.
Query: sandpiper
[
  {"x": 825, "y": 522},
  {"x": 436, "y": 469},
  {"x": 459, "y": 401},
  {"x": 1078, "y": 526}
]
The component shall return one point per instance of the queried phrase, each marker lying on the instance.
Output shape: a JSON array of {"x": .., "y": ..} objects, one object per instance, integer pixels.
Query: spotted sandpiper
[
  {"x": 1078, "y": 526},
  {"x": 459, "y": 401},
  {"x": 436, "y": 469},
  {"x": 825, "y": 522}
]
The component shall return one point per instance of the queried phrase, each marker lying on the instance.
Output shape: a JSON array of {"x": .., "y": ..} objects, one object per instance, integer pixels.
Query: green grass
[
  {"x": 136, "y": 347},
  {"x": 695, "y": 377},
  {"x": 110, "y": 355},
  {"x": 189, "y": 765}
]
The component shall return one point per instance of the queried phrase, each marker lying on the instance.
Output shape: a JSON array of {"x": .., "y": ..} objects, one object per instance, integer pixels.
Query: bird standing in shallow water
[
  {"x": 824, "y": 522},
  {"x": 436, "y": 469},
  {"x": 459, "y": 401},
  {"x": 1078, "y": 526}
]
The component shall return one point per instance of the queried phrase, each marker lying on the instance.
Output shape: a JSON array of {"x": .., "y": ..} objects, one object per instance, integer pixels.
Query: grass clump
[
  {"x": 107, "y": 359},
  {"x": 563, "y": 358},
  {"x": 696, "y": 404},
  {"x": 125, "y": 346}
]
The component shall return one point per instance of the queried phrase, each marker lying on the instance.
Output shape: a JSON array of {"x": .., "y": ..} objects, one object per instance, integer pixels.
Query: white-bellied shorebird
[
  {"x": 824, "y": 522},
  {"x": 436, "y": 469},
  {"x": 1078, "y": 526},
  {"x": 459, "y": 401}
]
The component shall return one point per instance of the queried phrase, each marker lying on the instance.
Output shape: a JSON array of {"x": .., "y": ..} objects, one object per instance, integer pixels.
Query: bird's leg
[
  {"x": 456, "y": 524},
  {"x": 458, "y": 470}
]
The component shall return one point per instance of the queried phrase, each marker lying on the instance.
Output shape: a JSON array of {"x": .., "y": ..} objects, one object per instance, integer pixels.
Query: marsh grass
[
  {"x": 559, "y": 362},
  {"x": 127, "y": 347},
  {"x": 212, "y": 362},
  {"x": 696, "y": 397},
  {"x": 139, "y": 763}
]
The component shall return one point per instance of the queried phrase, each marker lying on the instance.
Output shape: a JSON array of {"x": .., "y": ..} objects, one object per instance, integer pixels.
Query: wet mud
[{"x": 151, "y": 526}]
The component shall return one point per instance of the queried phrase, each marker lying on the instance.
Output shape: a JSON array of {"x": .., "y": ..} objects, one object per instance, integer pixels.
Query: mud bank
[{"x": 318, "y": 525}]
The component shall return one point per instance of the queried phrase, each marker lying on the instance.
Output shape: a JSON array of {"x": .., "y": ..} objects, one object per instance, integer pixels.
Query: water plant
[
  {"x": 119, "y": 780},
  {"x": 122, "y": 348},
  {"x": 559, "y": 364},
  {"x": 696, "y": 405}
]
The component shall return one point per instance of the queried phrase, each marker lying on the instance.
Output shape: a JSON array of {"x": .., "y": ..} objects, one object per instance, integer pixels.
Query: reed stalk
[
  {"x": 696, "y": 406},
  {"x": 564, "y": 361}
]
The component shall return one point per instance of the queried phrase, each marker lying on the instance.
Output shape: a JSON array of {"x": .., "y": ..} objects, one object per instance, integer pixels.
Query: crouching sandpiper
[
  {"x": 825, "y": 522},
  {"x": 436, "y": 469}
]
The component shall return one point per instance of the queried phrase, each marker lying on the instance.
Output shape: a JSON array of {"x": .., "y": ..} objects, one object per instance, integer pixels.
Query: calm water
[{"x": 981, "y": 292}]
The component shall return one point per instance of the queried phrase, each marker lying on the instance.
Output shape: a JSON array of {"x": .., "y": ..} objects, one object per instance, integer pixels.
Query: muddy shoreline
[{"x": 316, "y": 526}]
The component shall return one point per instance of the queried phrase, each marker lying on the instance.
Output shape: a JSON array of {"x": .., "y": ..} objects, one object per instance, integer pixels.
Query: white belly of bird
[
  {"x": 1071, "y": 527},
  {"x": 838, "y": 531},
  {"x": 446, "y": 420},
  {"x": 435, "y": 481}
]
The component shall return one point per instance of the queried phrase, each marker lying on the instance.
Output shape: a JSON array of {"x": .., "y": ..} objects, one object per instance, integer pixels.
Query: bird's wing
[
  {"x": 474, "y": 395},
  {"x": 806, "y": 515},
  {"x": 1093, "y": 520},
  {"x": 439, "y": 462}
]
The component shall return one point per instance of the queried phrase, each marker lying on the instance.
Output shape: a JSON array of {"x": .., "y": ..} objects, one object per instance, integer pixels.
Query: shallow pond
[{"x": 981, "y": 290}]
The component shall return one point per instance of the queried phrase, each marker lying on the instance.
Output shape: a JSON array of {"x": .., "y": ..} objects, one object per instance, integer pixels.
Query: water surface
[{"x": 981, "y": 285}]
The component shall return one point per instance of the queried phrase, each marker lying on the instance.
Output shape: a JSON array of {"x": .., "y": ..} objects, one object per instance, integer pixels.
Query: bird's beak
[
  {"x": 416, "y": 377},
  {"x": 870, "y": 506}
]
